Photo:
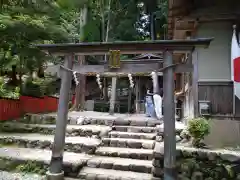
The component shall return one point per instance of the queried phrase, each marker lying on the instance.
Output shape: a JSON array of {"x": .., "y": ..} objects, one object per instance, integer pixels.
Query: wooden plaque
[{"x": 114, "y": 60}]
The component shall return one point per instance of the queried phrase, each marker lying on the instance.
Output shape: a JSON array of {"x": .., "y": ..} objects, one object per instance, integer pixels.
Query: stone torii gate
[{"x": 167, "y": 47}]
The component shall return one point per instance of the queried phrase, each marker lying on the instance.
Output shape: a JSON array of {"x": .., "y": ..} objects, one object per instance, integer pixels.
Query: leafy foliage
[
  {"x": 24, "y": 23},
  {"x": 198, "y": 128},
  {"x": 6, "y": 92},
  {"x": 31, "y": 167},
  {"x": 40, "y": 87},
  {"x": 27, "y": 22}
]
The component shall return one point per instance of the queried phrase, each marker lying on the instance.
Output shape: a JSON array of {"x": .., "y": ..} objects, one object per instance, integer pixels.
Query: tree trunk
[
  {"x": 14, "y": 75},
  {"x": 108, "y": 25},
  {"x": 105, "y": 93},
  {"x": 80, "y": 88},
  {"x": 40, "y": 72}
]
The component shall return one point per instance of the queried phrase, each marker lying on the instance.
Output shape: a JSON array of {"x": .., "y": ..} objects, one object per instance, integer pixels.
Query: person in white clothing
[{"x": 158, "y": 103}]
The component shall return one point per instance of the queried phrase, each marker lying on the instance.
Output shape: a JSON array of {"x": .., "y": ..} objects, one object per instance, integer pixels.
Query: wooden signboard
[{"x": 114, "y": 60}]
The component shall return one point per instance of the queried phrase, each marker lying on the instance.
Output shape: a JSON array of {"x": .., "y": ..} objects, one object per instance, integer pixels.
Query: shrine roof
[{"x": 129, "y": 47}]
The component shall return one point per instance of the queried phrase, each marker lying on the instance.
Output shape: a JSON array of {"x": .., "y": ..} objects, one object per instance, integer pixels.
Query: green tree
[{"x": 24, "y": 23}]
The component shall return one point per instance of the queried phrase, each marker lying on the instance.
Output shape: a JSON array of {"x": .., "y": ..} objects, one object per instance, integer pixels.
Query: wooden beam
[
  {"x": 125, "y": 47},
  {"x": 136, "y": 69},
  {"x": 182, "y": 68},
  {"x": 184, "y": 25},
  {"x": 111, "y": 74},
  {"x": 213, "y": 17}
]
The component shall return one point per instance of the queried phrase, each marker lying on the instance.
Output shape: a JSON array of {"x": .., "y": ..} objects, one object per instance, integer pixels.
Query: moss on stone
[
  {"x": 24, "y": 128},
  {"x": 26, "y": 167},
  {"x": 194, "y": 168},
  {"x": 32, "y": 167}
]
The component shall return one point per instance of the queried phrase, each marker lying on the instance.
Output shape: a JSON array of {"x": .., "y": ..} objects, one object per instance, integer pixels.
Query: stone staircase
[{"x": 99, "y": 148}]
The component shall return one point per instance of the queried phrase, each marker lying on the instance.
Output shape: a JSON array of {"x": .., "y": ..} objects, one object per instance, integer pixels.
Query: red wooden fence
[{"x": 12, "y": 109}]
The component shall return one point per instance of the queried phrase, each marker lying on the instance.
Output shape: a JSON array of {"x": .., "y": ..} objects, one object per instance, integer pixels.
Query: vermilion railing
[{"x": 12, "y": 109}]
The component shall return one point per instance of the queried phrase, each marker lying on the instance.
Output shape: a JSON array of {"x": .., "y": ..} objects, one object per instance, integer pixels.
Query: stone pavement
[{"x": 89, "y": 173}]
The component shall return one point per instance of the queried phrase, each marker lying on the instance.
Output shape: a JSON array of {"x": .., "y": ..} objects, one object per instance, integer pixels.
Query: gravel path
[
  {"x": 22, "y": 176},
  {"x": 19, "y": 176}
]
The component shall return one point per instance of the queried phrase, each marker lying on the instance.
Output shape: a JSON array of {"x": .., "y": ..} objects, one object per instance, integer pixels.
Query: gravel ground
[
  {"x": 19, "y": 176},
  {"x": 22, "y": 176}
]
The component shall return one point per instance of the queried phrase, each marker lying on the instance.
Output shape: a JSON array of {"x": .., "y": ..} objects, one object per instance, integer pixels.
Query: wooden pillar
[
  {"x": 113, "y": 95},
  {"x": 129, "y": 99},
  {"x": 137, "y": 89},
  {"x": 56, "y": 170},
  {"x": 156, "y": 84},
  {"x": 140, "y": 93},
  {"x": 83, "y": 92},
  {"x": 105, "y": 89},
  {"x": 169, "y": 119},
  {"x": 193, "y": 59}
]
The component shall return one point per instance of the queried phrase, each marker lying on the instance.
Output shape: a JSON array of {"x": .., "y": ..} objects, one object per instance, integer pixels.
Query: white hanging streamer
[
  {"x": 130, "y": 80},
  {"x": 75, "y": 77},
  {"x": 99, "y": 81}
]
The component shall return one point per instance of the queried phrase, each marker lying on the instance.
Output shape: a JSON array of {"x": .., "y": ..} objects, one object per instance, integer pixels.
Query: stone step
[
  {"x": 11, "y": 158},
  {"x": 160, "y": 138},
  {"x": 40, "y": 119},
  {"x": 120, "y": 134},
  {"x": 117, "y": 121},
  {"x": 143, "y": 154},
  {"x": 135, "y": 129},
  {"x": 128, "y": 143},
  {"x": 179, "y": 126},
  {"x": 88, "y": 173},
  {"x": 99, "y": 119},
  {"x": 122, "y": 164},
  {"x": 73, "y": 144},
  {"x": 71, "y": 130}
]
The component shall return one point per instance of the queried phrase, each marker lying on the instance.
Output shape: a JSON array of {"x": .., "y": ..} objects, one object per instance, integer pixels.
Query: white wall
[{"x": 214, "y": 62}]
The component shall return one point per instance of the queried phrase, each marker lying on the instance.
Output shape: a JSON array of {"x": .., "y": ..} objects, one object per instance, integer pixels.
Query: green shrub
[
  {"x": 40, "y": 87},
  {"x": 8, "y": 92},
  {"x": 198, "y": 128},
  {"x": 31, "y": 88}
]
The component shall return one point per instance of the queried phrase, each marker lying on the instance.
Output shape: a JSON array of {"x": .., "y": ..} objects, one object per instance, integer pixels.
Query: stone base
[{"x": 51, "y": 176}]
